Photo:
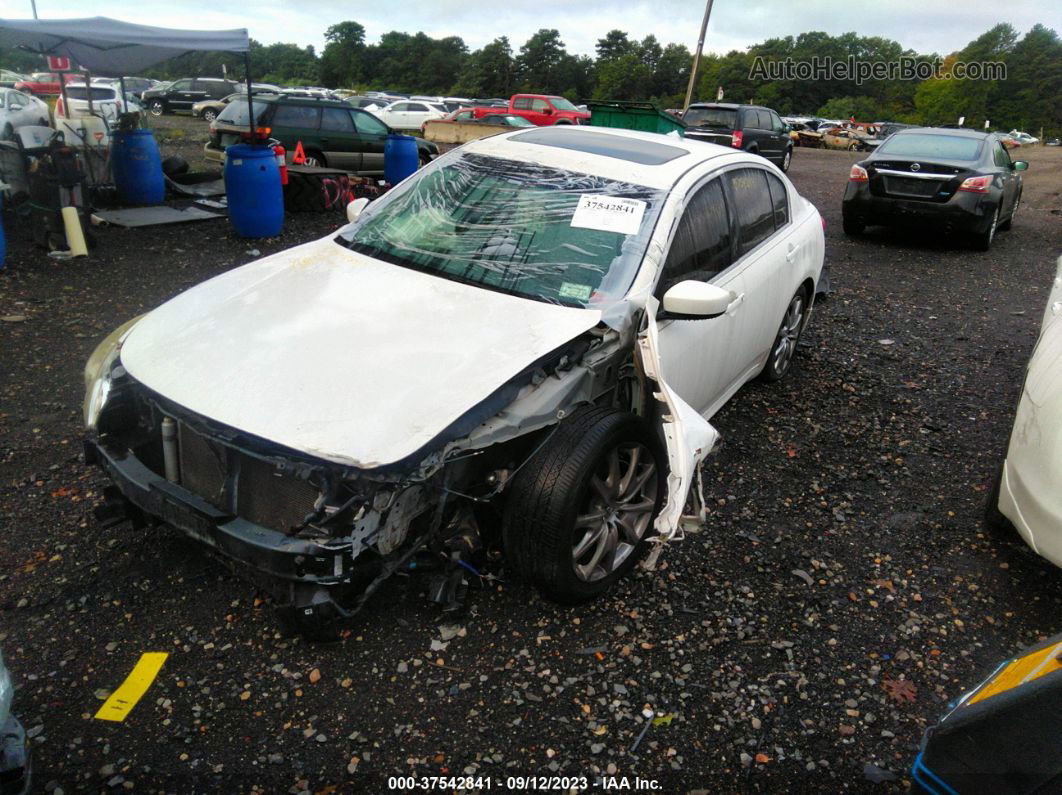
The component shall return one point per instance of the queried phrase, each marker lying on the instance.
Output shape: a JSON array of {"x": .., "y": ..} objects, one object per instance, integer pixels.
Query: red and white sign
[{"x": 58, "y": 63}]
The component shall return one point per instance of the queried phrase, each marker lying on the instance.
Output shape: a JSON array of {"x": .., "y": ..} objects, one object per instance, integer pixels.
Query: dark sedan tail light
[
  {"x": 738, "y": 137},
  {"x": 858, "y": 174},
  {"x": 976, "y": 184}
]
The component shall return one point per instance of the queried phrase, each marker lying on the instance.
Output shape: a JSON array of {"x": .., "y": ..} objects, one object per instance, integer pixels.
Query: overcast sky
[{"x": 926, "y": 26}]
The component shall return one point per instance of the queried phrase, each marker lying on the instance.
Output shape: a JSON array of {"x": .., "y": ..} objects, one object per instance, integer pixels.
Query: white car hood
[{"x": 338, "y": 355}]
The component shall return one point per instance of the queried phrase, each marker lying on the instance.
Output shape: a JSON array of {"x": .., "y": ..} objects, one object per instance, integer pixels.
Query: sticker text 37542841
[{"x": 609, "y": 214}]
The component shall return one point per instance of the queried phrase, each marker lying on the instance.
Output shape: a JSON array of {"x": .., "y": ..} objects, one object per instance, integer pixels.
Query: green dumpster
[{"x": 644, "y": 116}]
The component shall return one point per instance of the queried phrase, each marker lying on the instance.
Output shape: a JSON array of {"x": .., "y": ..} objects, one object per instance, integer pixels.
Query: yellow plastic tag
[
  {"x": 1024, "y": 669},
  {"x": 122, "y": 700}
]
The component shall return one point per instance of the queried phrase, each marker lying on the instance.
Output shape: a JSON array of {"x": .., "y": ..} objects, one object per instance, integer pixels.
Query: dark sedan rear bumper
[{"x": 963, "y": 212}]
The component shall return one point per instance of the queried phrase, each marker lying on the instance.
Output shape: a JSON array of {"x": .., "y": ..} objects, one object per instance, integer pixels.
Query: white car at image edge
[
  {"x": 408, "y": 114},
  {"x": 20, "y": 110},
  {"x": 543, "y": 321},
  {"x": 1026, "y": 493}
]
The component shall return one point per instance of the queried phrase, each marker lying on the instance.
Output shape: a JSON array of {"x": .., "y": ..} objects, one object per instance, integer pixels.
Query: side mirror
[
  {"x": 696, "y": 300},
  {"x": 1020, "y": 165},
  {"x": 548, "y": 111},
  {"x": 354, "y": 209}
]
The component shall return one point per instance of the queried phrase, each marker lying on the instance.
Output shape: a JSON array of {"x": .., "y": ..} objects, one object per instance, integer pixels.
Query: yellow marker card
[{"x": 122, "y": 700}]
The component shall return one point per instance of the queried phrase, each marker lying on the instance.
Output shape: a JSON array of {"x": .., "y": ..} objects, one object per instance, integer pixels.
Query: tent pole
[{"x": 250, "y": 103}]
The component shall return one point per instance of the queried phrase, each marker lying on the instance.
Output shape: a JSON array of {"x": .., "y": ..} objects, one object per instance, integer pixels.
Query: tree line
[{"x": 626, "y": 68}]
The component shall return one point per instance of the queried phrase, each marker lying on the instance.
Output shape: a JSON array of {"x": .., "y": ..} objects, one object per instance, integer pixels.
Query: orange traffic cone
[{"x": 299, "y": 158}]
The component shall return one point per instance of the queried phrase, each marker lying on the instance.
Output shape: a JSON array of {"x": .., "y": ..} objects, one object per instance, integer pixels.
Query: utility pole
[{"x": 697, "y": 56}]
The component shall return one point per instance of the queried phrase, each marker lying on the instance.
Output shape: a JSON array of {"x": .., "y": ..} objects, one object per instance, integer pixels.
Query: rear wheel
[
  {"x": 156, "y": 107},
  {"x": 42, "y": 122},
  {"x": 210, "y": 114},
  {"x": 581, "y": 509},
  {"x": 315, "y": 159},
  {"x": 983, "y": 241},
  {"x": 784, "y": 348}
]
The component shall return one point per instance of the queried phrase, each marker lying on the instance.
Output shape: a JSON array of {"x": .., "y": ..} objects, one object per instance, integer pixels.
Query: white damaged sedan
[
  {"x": 1026, "y": 492},
  {"x": 542, "y": 321}
]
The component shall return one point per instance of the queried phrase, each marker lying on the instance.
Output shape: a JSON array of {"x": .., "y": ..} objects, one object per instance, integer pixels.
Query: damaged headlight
[{"x": 98, "y": 372}]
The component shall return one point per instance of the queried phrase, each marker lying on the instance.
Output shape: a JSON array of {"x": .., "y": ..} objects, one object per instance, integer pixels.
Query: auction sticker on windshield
[{"x": 609, "y": 214}]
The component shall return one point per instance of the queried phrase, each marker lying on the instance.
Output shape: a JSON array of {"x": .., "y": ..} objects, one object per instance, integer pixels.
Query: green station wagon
[{"x": 333, "y": 134}]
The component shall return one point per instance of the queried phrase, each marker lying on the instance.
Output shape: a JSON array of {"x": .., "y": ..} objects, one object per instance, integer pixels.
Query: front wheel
[
  {"x": 580, "y": 511},
  {"x": 787, "y": 158},
  {"x": 8, "y": 133},
  {"x": 1003, "y": 227},
  {"x": 780, "y": 359},
  {"x": 852, "y": 227},
  {"x": 157, "y": 107},
  {"x": 209, "y": 114}
]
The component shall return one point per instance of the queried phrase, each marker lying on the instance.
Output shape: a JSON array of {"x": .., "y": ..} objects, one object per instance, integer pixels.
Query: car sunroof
[{"x": 633, "y": 150}]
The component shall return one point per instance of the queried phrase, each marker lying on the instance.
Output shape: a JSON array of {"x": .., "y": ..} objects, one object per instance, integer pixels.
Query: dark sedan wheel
[
  {"x": 983, "y": 241},
  {"x": 156, "y": 107},
  {"x": 780, "y": 358},
  {"x": 1003, "y": 227},
  {"x": 580, "y": 511},
  {"x": 852, "y": 226},
  {"x": 787, "y": 158}
]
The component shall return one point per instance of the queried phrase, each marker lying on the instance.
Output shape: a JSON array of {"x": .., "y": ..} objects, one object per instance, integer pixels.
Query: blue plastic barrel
[
  {"x": 137, "y": 168},
  {"x": 256, "y": 198},
  {"x": 400, "y": 157}
]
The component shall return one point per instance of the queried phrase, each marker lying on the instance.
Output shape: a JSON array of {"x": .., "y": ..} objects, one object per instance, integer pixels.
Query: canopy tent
[{"x": 113, "y": 48}]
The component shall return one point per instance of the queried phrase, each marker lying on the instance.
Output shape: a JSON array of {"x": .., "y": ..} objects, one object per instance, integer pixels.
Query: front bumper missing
[{"x": 267, "y": 552}]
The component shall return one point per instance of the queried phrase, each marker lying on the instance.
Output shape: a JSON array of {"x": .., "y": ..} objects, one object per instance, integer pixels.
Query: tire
[
  {"x": 209, "y": 114},
  {"x": 783, "y": 349},
  {"x": 423, "y": 159},
  {"x": 315, "y": 159},
  {"x": 156, "y": 107},
  {"x": 983, "y": 241},
  {"x": 8, "y": 134},
  {"x": 42, "y": 122},
  {"x": 1005, "y": 226},
  {"x": 852, "y": 226},
  {"x": 174, "y": 165},
  {"x": 562, "y": 533},
  {"x": 853, "y": 147},
  {"x": 787, "y": 159},
  {"x": 561, "y": 122}
]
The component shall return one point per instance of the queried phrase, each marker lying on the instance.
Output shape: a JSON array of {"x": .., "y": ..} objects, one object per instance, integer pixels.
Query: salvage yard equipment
[
  {"x": 1003, "y": 736},
  {"x": 644, "y": 116}
]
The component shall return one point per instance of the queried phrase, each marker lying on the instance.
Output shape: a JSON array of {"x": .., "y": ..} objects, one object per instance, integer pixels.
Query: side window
[
  {"x": 1002, "y": 156},
  {"x": 416, "y": 107},
  {"x": 182, "y": 85},
  {"x": 522, "y": 103},
  {"x": 368, "y": 124},
  {"x": 752, "y": 205},
  {"x": 779, "y": 200},
  {"x": 336, "y": 120},
  {"x": 296, "y": 116},
  {"x": 701, "y": 248},
  {"x": 401, "y": 106},
  {"x": 539, "y": 105},
  {"x": 776, "y": 124}
]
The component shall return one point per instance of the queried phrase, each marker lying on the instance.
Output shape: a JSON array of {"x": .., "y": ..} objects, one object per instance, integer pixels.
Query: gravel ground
[{"x": 842, "y": 593}]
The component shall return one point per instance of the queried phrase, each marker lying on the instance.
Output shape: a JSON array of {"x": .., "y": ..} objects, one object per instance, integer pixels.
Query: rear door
[
  {"x": 779, "y": 137},
  {"x": 339, "y": 140},
  {"x": 757, "y": 123},
  {"x": 372, "y": 137},
  {"x": 292, "y": 124}
]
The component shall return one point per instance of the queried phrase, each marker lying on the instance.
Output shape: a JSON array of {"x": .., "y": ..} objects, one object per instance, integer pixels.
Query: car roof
[
  {"x": 953, "y": 131},
  {"x": 642, "y": 158}
]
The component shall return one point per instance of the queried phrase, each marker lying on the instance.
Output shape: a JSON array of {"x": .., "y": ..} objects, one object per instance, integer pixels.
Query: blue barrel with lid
[
  {"x": 137, "y": 167},
  {"x": 400, "y": 157},
  {"x": 255, "y": 195}
]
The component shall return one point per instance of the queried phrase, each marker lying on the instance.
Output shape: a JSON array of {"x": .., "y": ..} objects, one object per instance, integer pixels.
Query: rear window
[
  {"x": 928, "y": 145},
  {"x": 98, "y": 92},
  {"x": 711, "y": 117},
  {"x": 236, "y": 111}
]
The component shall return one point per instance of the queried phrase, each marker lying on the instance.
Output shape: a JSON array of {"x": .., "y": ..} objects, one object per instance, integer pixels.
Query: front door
[{"x": 339, "y": 141}]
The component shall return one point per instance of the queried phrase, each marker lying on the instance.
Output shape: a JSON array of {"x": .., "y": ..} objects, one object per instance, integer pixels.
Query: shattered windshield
[{"x": 520, "y": 228}]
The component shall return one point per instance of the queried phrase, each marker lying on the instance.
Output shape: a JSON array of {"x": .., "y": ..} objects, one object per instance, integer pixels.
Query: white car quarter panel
[{"x": 339, "y": 355}]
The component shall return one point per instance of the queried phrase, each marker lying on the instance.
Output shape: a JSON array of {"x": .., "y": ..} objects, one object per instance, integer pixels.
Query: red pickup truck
[{"x": 544, "y": 110}]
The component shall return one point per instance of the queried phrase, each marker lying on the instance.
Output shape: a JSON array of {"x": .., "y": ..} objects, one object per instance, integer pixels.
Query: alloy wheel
[
  {"x": 617, "y": 512},
  {"x": 786, "y": 341}
]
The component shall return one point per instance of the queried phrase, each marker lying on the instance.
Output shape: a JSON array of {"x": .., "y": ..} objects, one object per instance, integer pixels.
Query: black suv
[
  {"x": 750, "y": 127},
  {"x": 182, "y": 94},
  {"x": 333, "y": 134}
]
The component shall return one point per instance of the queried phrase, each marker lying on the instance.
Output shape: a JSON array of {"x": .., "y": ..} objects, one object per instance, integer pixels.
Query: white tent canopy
[{"x": 111, "y": 47}]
